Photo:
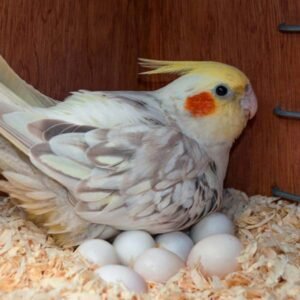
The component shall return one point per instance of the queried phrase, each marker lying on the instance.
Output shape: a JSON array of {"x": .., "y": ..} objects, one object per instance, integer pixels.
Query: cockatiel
[{"x": 101, "y": 162}]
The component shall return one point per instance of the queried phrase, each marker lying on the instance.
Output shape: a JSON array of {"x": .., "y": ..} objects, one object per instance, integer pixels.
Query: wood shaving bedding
[{"x": 33, "y": 267}]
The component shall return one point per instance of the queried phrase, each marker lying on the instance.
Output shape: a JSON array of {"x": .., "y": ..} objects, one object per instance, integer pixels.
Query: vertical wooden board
[
  {"x": 288, "y": 138},
  {"x": 61, "y": 46}
]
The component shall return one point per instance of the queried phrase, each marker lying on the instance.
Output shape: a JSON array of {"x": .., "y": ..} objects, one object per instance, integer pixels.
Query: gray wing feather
[{"x": 141, "y": 176}]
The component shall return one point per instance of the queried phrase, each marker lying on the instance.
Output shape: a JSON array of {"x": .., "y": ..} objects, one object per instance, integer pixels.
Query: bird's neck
[{"x": 220, "y": 155}]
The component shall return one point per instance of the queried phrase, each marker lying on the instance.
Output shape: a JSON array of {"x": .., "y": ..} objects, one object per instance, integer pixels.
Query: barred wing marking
[{"x": 139, "y": 176}]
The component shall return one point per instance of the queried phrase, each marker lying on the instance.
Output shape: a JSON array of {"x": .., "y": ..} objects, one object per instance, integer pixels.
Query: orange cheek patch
[{"x": 202, "y": 104}]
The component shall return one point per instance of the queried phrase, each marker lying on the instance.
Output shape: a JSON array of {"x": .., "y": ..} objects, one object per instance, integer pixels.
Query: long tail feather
[
  {"x": 17, "y": 102},
  {"x": 25, "y": 93}
]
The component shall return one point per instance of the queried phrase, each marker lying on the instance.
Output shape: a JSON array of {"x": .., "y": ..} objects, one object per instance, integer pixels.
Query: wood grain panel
[{"x": 64, "y": 45}]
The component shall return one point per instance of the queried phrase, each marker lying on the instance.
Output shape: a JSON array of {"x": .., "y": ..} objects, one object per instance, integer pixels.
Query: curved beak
[{"x": 249, "y": 102}]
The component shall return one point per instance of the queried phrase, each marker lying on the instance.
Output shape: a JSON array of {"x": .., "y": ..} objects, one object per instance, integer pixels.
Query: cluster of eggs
[{"x": 135, "y": 257}]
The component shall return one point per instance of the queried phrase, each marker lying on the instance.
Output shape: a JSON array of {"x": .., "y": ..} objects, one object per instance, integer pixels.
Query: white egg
[
  {"x": 216, "y": 254},
  {"x": 215, "y": 223},
  {"x": 176, "y": 242},
  {"x": 158, "y": 264},
  {"x": 121, "y": 274},
  {"x": 98, "y": 252},
  {"x": 130, "y": 244}
]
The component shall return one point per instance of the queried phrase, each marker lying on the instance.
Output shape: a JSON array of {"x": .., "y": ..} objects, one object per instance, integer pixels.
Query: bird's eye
[{"x": 221, "y": 90}]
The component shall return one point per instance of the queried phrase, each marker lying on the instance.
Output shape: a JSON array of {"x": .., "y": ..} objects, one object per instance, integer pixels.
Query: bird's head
[{"x": 211, "y": 101}]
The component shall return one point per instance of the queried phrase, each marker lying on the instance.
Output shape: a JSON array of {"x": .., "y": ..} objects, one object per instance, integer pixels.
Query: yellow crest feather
[
  {"x": 192, "y": 67},
  {"x": 165, "y": 66}
]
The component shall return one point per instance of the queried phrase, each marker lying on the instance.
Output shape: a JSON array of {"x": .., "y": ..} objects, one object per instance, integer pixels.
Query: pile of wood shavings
[{"x": 32, "y": 267}]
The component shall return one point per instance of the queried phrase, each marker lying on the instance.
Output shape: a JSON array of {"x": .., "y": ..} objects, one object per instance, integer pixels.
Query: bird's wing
[
  {"x": 98, "y": 109},
  {"x": 108, "y": 109},
  {"x": 140, "y": 176},
  {"x": 46, "y": 202}
]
